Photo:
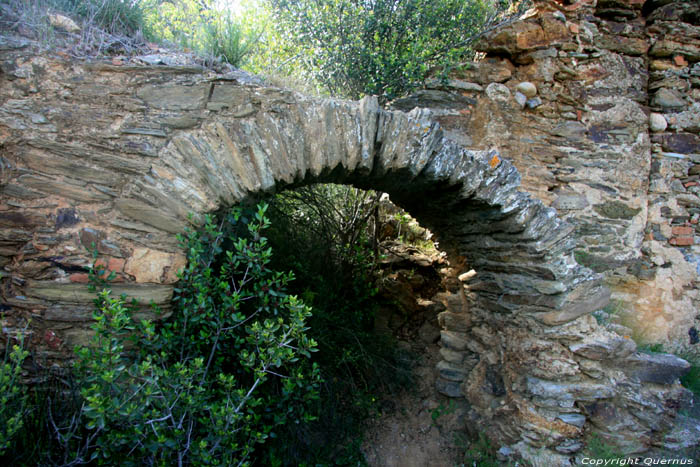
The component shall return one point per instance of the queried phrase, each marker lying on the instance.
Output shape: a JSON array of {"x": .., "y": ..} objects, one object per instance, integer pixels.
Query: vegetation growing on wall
[
  {"x": 206, "y": 386},
  {"x": 241, "y": 362},
  {"x": 347, "y": 48}
]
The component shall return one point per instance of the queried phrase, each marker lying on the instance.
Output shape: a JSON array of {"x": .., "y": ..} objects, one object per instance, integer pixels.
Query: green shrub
[
  {"x": 691, "y": 380},
  {"x": 13, "y": 398},
  {"x": 481, "y": 453},
  {"x": 325, "y": 233},
  {"x": 597, "y": 448},
  {"x": 216, "y": 379},
  {"x": 203, "y": 26},
  {"x": 115, "y": 16},
  {"x": 124, "y": 17},
  {"x": 227, "y": 40},
  {"x": 381, "y": 47}
]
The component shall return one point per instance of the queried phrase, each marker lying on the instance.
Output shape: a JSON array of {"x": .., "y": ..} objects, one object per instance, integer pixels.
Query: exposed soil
[
  {"x": 415, "y": 432},
  {"x": 417, "y": 427}
]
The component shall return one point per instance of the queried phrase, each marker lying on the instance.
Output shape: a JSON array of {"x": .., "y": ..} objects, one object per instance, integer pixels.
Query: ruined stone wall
[
  {"x": 598, "y": 105},
  {"x": 119, "y": 154}
]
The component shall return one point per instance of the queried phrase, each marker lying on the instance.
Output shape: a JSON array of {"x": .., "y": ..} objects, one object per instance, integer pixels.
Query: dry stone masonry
[
  {"x": 119, "y": 155},
  {"x": 598, "y": 106}
]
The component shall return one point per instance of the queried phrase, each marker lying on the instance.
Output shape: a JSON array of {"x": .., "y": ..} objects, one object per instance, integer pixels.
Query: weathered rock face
[
  {"x": 598, "y": 106},
  {"x": 118, "y": 156}
]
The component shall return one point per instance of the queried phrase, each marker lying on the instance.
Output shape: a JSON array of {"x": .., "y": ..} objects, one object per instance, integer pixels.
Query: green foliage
[
  {"x": 325, "y": 234},
  {"x": 227, "y": 40},
  {"x": 115, "y": 16},
  {"x": 217, "y": 378},
  {"x": 125, "y": 17},
  {"x": 203, "y": 26},
  {"x": 597, "y": 448},
  {"x": 381, "y": 47},
  {"x": 651, "y": 348},
  {"x": 13, "y": 398},
  {"x": 481, "y": 453},
  {"x": 442, "y": 410},
  {"x": 279, "y": 58},
  {"x": 691, "y": 380}
]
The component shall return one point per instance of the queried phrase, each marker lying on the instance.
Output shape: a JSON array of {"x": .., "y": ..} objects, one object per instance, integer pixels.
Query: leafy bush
[
  {"x": 13, "y": 398},
  {"x": 480, "y": 452},
  {"x": 324, "y": 233},
  {"x": 227, "y": 40},
  {"x": 203, "y": 26},
  {"x": 124, "y": 17},
  {"x": 216, "y": 379},
  {"x": 381, "y": 47},
  {"x": 598, "y": 448},
  {"x": 114, "y": 16},
  {"x": 691, "y": 380}
]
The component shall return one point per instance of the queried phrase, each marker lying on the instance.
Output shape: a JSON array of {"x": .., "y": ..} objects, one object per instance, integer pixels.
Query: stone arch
[{"x": 124, "y": 170}]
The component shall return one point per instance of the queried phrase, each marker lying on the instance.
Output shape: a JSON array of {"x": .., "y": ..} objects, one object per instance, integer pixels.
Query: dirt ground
[{"x": 417, "y": 431}]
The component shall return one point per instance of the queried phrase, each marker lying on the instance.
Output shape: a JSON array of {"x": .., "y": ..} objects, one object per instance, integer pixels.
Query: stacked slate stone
[
  {"x": 119, "y": 154},
  {"x": 596, "y": 105}
]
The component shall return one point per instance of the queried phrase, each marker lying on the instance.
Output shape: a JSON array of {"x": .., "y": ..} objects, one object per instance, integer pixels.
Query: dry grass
[{"x": 29, "y": 19}]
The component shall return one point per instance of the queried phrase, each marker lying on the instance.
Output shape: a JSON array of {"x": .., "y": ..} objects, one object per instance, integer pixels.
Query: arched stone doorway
[{"x": 129, "y": 152}]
